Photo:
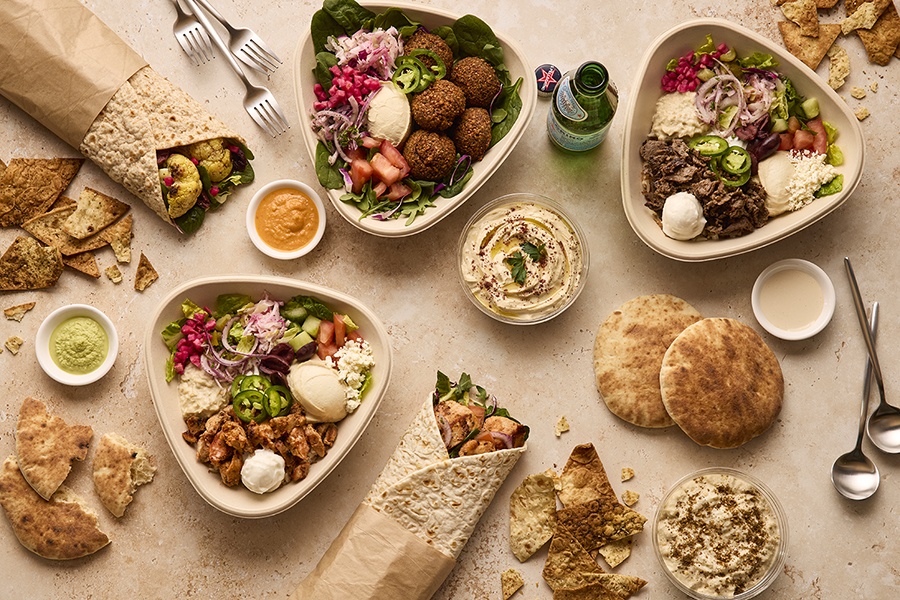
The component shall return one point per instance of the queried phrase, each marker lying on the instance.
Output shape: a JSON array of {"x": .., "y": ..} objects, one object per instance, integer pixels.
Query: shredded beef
[{"x": 670, "y": 166}]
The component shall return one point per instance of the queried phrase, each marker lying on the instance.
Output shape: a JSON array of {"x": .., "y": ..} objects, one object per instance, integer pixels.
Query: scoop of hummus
[
  {"x": 775, "y": 173},
  {"x": 198, "y": 393},
  {"x": 389, "y": 114},
  {"x": 682, "y": 216},
  {"x": 319, "y": 390},
  {"x": 676, "y": 117}
]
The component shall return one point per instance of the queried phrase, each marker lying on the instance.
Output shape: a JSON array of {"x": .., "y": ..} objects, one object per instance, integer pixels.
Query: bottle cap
[{"x": 547, "y": 77}]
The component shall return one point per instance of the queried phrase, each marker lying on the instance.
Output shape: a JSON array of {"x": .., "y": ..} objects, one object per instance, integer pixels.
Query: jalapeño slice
[
  {"x": 439, "y": 69},
  {"x": 709, "y": 145},
  {"x": 736, "y": 160},
  {"x": 255, "y": 382},
  {"x": 277, "y": 401},
  {"x": 249, "y": 405}
]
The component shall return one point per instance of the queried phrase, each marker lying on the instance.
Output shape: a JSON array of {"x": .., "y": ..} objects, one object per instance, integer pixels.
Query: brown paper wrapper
[
  {"x": 404, "y": 538},
  {"x": 375, "y": 558},
  {"x": 60, "y": 63}
]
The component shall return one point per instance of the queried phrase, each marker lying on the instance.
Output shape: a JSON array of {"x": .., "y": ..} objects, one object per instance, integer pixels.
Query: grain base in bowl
[
  {"x": 720, "y": 533},
  {"x": 522, "y": 260}
]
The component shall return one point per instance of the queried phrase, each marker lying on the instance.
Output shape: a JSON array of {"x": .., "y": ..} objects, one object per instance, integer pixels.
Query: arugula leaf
[
  {"x": 465, "y": 383},
  {"x": 443, "y": 384},
  {"x": 517, "y": 264}
]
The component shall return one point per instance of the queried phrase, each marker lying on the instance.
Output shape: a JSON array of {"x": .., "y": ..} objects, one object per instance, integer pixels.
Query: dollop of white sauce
[{"x": 263, "y": 471}]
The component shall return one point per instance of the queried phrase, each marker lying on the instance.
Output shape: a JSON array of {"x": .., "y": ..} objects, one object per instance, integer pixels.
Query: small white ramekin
[
  {"x": 821, "y": 278},
  {"x": 53, "y": 320},
  {"x": 254, "y": 206}
]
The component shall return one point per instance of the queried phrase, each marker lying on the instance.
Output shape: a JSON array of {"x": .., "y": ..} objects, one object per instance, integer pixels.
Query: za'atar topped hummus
[{"x": 522, "y": 259}]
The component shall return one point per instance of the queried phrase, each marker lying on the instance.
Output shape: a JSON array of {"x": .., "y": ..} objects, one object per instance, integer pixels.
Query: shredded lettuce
[
  {"x": 758, "y": 60},
  {"x": 832, "y": 187}
]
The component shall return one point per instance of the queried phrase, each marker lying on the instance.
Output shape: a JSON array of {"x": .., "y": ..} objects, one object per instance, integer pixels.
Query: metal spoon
[
  {"x": 853, "y": 474},
  {"x": 884, "y": 424}
]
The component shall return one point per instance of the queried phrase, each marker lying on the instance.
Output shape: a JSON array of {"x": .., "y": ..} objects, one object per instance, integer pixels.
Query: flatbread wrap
[
  {"x": 68, "y": 70},
  {"x": 406, "y": 535}
]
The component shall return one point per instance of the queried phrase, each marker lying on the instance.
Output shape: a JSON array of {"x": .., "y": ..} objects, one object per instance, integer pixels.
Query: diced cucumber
[
  {"x": 311, "y": 325},
  {"x": 295, "y": 313},
  {"x": 810, "y": 108},
  {"x": 779, "y": 125},
  {"x": 300, "y": 340}
]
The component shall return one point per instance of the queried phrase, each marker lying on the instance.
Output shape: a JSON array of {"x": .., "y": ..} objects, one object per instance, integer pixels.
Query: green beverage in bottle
[{"x": 582, "y": 108}]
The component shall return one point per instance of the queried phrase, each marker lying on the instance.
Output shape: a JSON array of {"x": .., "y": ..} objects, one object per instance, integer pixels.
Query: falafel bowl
[{"x": 406, "y": 118}]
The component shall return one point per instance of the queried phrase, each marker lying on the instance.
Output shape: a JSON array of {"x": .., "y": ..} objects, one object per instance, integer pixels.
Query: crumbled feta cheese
[
  {"x": 810, "y": 173},
  {"x": 354, "y": 361}
]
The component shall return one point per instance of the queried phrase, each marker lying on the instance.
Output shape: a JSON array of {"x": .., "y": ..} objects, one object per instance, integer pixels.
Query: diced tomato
[
  {"x": 820, "y": 142},
  {"x": 354, "y": 335},
  {"x": 340, "y": 330},
  {"x": 326, "y": 333},
  {"x": 399, "y": 190},
  {"x": 384, "y": 169},
  {"x": 326, "y": 350},
  {"x": 803, "y": 140},
  {"x": 793, "y": 124},
  {"x": 379, "y": 188},
  {"x": 370, "y": 142},
  {"x": 787, "y": 141},
  {"x": 392, "y": 154},
  {"x": 355, "y": 153},
  {"x": 360, "y": 172}
]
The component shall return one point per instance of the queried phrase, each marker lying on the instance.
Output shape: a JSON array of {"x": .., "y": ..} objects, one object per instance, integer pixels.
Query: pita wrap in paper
[
  {"x": 432, "y": 504},
  {"x": 68, "y": 70}
]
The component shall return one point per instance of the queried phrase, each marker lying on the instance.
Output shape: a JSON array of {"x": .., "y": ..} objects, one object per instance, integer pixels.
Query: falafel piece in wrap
[{"x": 405, "y": 537}]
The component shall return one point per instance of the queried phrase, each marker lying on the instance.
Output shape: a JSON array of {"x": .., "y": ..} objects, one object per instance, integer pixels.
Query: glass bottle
[{"x": 582, "y": 108}]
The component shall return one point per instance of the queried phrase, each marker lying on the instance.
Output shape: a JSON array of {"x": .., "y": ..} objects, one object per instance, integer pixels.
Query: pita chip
[
  {"x": 583, "y": 478},
  {"x": 119, "y": 468},
  {"x": 145, "y": 274},
  {"x": 838, "y": 66},
  {"x": 94, "y": 212},
  {"x": 13, "y": 343},
  {"x": 62, "y": 529},
  {"x": 510, "y": 582},
  {"x": 83, "y": 263},
  {"x": 883, "y": 39},
  {"x": 610, "y": 587},
  {"x": 2, "y": 167},
  {"x": 532, "y": 515},
  {"x": 568, "y": 563},
  {"x": 29, "y": 265},
  {"x": 46, "y": 446},
  {"x": 600, "y": 521},
  {"x": 826, "y": 3},
  {"x": 48, "y": 228},
  {"x": 804, "y": 14},
  {"x": 15, "y": 313},
  {"x": 809, "y": 50},
  {"x": 863, "y": 17},
  {"x": 28, "y": 186},
  {"x": 615, "y": 553},
  {"x": 114, "y": 274},
  {"x": 119, "y": 237}
]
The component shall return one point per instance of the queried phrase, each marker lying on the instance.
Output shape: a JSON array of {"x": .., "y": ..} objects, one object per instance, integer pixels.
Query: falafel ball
[
  {"x": 430, "y": 155},
  {"x": 433, "y": 42},
  {"x": 438, "y": 106},
  {"x": 477, "y": 79},
  {"x": 472, "y": 134}
]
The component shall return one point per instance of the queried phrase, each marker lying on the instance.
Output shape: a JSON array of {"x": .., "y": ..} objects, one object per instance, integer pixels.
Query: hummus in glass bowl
[
  {"x": 720, "y": 533},
  {"x": 522, "y": 260}
]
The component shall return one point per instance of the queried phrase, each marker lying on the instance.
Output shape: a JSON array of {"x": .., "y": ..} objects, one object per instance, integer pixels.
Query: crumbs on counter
[
  {"x": 630, "y": 497},
  {"x": 627, "y": 473},
  {"x": 861, "y": 113},
  {"x": 511, "y": 582},
  {"x": 562, "y": 426},
  {"x": 13, "y": 343},
  {"x": 15, "y": 313},
  {"x": 114, "y": 274}
]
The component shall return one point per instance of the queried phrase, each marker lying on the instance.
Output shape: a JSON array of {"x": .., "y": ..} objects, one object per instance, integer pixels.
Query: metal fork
[
  {"x": 246, "y": 45},
  {"x": 259, "y": 102},
  {"x": 192, "y": 37}
]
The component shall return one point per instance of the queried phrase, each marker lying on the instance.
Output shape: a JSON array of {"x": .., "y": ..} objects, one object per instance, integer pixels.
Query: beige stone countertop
[{"x": 172, "y": 544}]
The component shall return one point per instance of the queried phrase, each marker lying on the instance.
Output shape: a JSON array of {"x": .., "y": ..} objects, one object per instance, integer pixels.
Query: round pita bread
[
  {"x": 61, "y": 529},
  {"x": 721, "y": 383},
  {"x": 46, "y": 446},
  {"x": 628, "y": 353}
]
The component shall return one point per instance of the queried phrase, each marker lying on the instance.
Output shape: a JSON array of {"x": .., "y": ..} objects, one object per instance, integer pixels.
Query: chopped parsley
[{"x": 516, "y": 262}]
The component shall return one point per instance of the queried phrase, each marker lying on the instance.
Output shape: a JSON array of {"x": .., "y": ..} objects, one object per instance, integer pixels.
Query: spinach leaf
[
  {"x": 322, "y": 72},
  {"x": 322, "y": 26},
  {"x": 191, "y": 221},
  {"x": 446, "y": 32},
  {"x": 476, "y": 38},
  {"x": 510, "y": 102},
  {"x": 452, "y": 190},
  {"x": 348, "y": 13},
  {"x": 329, "y": 175},
  {"x": 394, "y": 17}
]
